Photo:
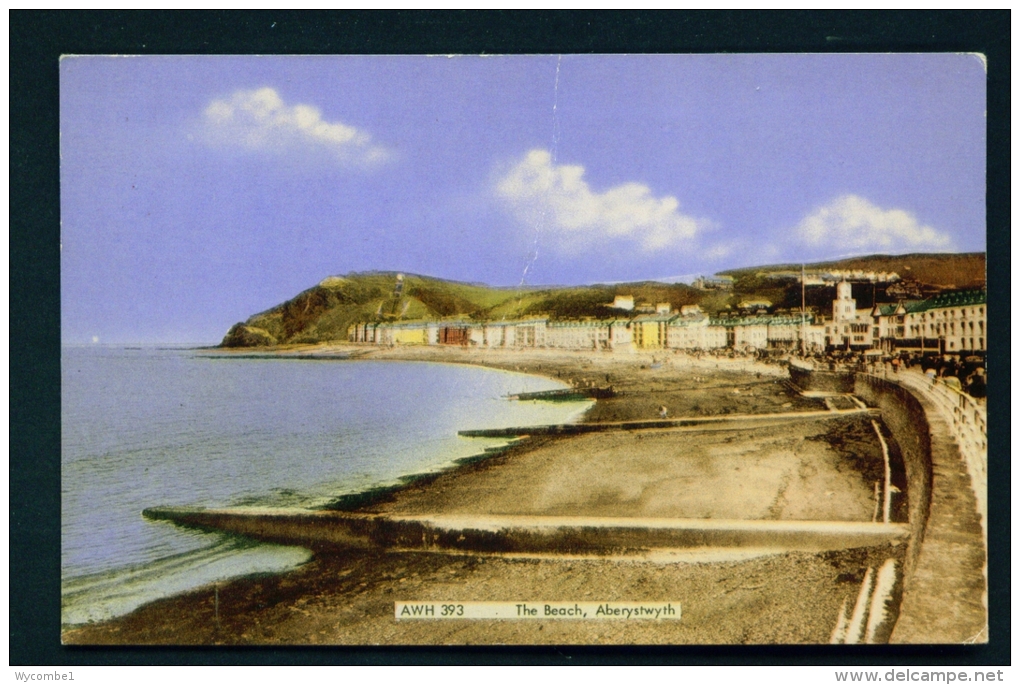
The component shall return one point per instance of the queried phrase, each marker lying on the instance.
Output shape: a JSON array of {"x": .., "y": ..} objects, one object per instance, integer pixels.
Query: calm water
[{"x": 148, "y": 427}]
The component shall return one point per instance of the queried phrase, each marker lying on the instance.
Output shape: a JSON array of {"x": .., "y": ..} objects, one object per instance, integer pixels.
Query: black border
[{"x": 38, "y": 38}]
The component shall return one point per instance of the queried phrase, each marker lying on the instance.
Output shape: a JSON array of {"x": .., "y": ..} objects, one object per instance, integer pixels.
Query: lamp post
[{"x": 803, "y": 333}]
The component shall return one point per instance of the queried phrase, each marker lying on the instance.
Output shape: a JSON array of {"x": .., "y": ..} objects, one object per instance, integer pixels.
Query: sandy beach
[{"x": 817, "y": 470}]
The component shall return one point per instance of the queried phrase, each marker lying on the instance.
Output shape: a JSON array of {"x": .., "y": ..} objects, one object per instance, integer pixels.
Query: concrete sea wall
[
  {"x": 944, "y": 587},
  {"x": 731, "y": 421},
  {"x": 531, "y": 534},
  {"x": 903, "y": 414}
]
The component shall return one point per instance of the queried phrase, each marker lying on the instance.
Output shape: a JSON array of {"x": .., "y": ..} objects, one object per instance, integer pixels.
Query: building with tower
[{"x": 849, "y": 329}]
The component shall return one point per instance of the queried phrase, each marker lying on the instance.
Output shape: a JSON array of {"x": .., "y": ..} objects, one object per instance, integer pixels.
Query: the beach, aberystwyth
[{"x": 640, "y": 243}]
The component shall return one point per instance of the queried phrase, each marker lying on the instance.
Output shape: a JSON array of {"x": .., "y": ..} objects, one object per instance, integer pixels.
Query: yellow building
[
  {"x": 650, "y": 332},
  {"x": 410, "y": 335}
]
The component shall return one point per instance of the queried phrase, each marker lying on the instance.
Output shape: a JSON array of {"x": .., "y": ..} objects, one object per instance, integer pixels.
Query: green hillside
[{"x": 324, "y": 312}]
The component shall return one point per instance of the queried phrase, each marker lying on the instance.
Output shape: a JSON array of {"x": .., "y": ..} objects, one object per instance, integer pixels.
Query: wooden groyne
[
  {"x": 294, "y": 356},
  {"x": 565, "y": 394},
  {"x": 731, "y": 421},
  {"x": 530, "y": 534}
]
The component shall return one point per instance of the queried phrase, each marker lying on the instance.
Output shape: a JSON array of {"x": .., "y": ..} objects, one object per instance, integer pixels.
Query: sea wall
[
  {"x": 944, "y": 582},
  {"x": 528, "y": 534},
  {"x": 903, "y": 414},
  {"x": 732, "y": 421}
]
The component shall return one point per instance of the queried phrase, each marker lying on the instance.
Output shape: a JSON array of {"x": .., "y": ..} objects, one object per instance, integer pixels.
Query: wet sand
[
  {"x": 821, "y": 470},
  {"x": 784, "y": 472}
]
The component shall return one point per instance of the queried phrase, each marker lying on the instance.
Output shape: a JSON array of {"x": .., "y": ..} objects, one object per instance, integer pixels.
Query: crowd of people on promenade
[
  {"x": 971, "y": 375},
  {"x": 967, "y": 374}
]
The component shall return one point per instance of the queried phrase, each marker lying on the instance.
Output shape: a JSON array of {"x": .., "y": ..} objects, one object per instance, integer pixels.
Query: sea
[{"x": 159, "y": 426}]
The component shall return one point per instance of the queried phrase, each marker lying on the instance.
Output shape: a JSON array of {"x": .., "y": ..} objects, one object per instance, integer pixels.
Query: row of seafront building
[
  {"x": 951, "y": 323},
  {"x": 643, "y": 332}
]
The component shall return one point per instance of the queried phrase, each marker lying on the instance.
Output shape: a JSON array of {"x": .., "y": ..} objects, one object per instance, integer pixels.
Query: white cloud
[
  {"x": 556, "y": 199},
  {"x": 851, "y": 224},
  {"x": 261, "y": 120},
  {"x": 720, "y": 250}
]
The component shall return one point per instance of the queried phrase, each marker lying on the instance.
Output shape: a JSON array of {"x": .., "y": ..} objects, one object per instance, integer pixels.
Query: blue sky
[{"x": 196, "y": 191}]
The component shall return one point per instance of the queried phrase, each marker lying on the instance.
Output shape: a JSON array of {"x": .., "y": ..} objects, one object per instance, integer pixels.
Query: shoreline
[
  {"x": 290, "y": 608},
  {"x": 352, "y": 353}
]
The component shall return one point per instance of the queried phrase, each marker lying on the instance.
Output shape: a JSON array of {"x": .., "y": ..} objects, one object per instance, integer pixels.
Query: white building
[
  {"x": 692, "y": 333},
  {"x": 950, "y": 323},
  {"x": 850, "y": 328},
  {"x": 578, "y": 335},
  {"x": 623, "y": 302}
]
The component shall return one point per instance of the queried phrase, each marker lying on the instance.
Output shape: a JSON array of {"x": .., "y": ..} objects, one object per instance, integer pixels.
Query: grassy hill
[
  {"x": 324, "y": 312},
  {"x": 965, "y": 270}
]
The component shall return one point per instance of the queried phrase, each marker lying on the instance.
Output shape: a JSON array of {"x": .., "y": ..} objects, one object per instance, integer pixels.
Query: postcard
[{"x": 523, "y": 349}]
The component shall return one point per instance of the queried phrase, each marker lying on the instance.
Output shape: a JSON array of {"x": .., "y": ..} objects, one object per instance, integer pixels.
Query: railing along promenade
[{"x": 969, "y": 420}]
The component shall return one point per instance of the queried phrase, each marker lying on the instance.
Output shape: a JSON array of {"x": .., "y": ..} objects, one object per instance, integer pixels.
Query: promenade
[
  {"x": 945, "y": 599},
  {"x": 968, "y": 419}
]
